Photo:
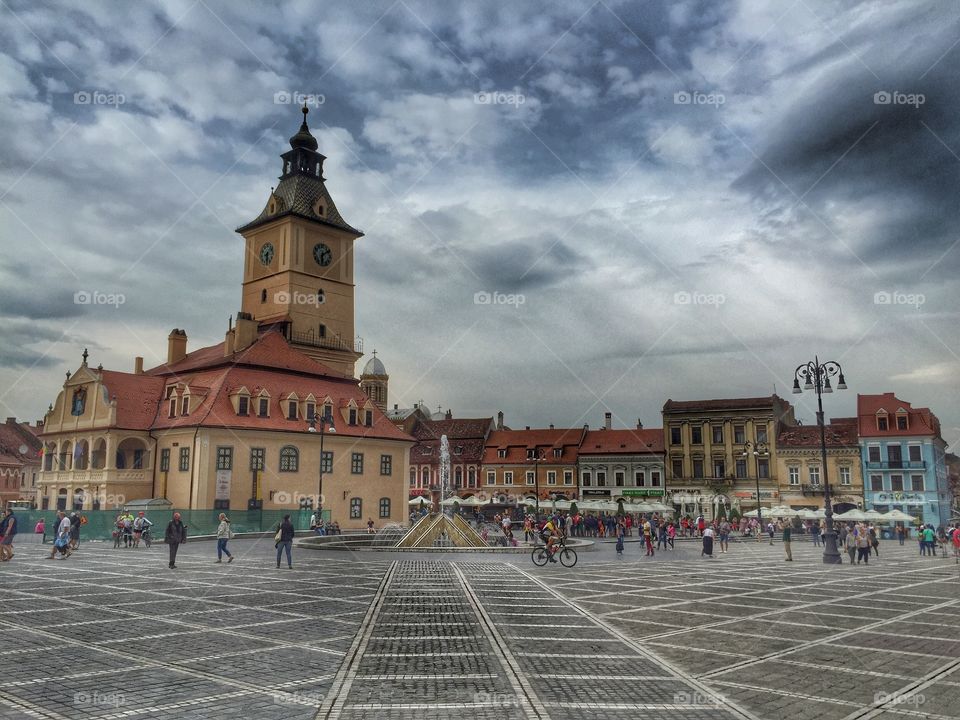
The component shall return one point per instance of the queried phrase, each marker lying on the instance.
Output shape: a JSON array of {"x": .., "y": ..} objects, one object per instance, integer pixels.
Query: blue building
[{"x": 904, "y": 459}]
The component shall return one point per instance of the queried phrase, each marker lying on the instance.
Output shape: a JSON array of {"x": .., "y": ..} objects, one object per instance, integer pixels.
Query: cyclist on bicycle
[{"x": 549, "y": 534}]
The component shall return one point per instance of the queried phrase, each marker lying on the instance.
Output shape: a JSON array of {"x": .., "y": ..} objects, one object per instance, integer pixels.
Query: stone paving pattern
[{"x": 114, "y": 633}]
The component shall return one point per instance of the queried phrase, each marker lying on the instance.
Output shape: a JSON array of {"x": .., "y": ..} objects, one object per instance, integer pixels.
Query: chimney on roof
[
  {"x": 551, "y": 426},
  {"x": 39, "y": 424},
  {"x": 528, "y": 427},
  {"x": 449, "y": 414},
  {"x": 639, "y": 424},
  {"x": 138, "y": 365},
  {"x": 245, "y": 332},
  {"x": 607, "y": 420},
  {"x": 11, "y": 421},
  {"x": 500, "y": 420},
  {"x": 176, "y": 346}
]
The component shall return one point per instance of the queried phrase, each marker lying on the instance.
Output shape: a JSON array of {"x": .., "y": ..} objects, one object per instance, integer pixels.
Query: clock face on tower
[
  {"x": 322, "y": 254},
  {"x": 266, "y": 253}
]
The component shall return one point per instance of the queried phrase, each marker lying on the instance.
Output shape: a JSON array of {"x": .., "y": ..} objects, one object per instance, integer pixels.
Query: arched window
[
  {"x": 425, "y": 476},
  {"x": 413, "y": 477},
  {"x": 289, "y": 459},
  {"x": 458, "y": 475},
  {"x": 472, "y": 477}
]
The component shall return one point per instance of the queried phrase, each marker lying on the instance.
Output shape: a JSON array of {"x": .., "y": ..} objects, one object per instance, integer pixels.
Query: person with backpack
[
  {"x": 140, "y": 526},
  {"x": 224, "y": 533}
]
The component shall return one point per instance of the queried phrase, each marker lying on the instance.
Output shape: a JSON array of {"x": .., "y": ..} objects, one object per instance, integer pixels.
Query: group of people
[
  {"x": 320, "y": 527},
  {"x": 131, "y": 530}
]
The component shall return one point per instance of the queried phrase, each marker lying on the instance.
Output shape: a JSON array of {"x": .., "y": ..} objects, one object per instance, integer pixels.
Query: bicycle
[{"x": 541, "y": 555}]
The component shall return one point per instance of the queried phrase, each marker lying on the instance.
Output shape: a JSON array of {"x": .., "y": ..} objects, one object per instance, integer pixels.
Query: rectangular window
[
  {"x": 794, "y": 475},
  {"x": 814, "y": 472},
  {"x": 844, "y": 476},
  {"x": 165, "y": 460},
  {"x": 243, "y": 405},
  {"x": 741, "y": 469},
  {"x": 264, "y": 407},
  {"x": 557, "y": 452},
  {"x": 184, "y": 459},
  {"x": 876, "y": 483},
  {"x": 601, "y": 479},
  {"x": 292, "y": 410},
  {"x": 585, "y": 479},
  {"x": 698, "y": 468},
  {"x": 901, "y": 422},
  {"x": 356, "y": 463},
  {"x": 655, "y": 478},
  {"x": 491, "y": 477},
  {"x": 386, "y": 464},
  {"x": 568, "y": 477},
  {"x": 185, "y": 406},
  {"x": 352, "y": 416},
  {"x": 551, "y": 477},
  {"x": 881, "y": 422},
  {"x": 718, "y": 434},
  {"x": 719, "y": 468},
  {"x": 763, "y": 469},
  {"x": 915, "y": 453},
  {"x": 311, "y": 411},
  {"x": 502, "y": 453},
  {"x": 896, "y": 483},
  {"x": 674, "y": 436},
  {"x": 258, "y": 458},
  {"x": 173, "y": 408},
  {"x": 916, "y": 483},
  {"x": 696, "y": 434},
  {"x": 895, "y": 456},
  {"x": 873, "y": 453},
  {"x": 677, "y": 468},
  {"x": 368, "y": 418},
  {"x": 531, "y": 478},
  {"x": 639, "y": 478},
  {"x": 138, "y": 459},
  {"x": 739, "y": 435},
  {"x": 508, "y": 477},
  {"x": 761, "y": 433},
  {"x": 224, "y": 458},
  {"x": 326, "y": 461},
  {"x": 356, "y": 508},
  {"x": 384, "y": 507}
]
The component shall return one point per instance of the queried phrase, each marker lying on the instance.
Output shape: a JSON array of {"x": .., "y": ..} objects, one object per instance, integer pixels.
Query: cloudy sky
[{"x": 659, "y": 199}]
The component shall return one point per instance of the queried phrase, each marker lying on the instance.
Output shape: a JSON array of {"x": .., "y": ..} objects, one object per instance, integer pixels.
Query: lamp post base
[{"x": 831, "y": 555}]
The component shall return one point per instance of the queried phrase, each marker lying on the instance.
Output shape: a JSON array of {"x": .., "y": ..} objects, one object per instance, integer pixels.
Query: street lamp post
[
  {"x": 324, "y": 420},
  {"x": 537, "y": 457},
  {"x": 816, "y": 376},
  {"x": 758, "y": 450}
]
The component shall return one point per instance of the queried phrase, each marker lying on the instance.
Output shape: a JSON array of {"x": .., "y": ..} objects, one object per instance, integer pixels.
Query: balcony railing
[
  {"x": 897, "y": 465},
  {"x": 332, "y": 343}
]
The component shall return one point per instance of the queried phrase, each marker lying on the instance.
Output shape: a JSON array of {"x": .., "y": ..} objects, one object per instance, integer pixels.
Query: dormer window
[
  {"x": 264, "y": 408},
  {"x": 292, "y": 410},
  {"x": 327, "y": 411},
  {"x": 311, "y": 411},
  {"x": 902, "y": 419},
  {"x": 353, "y": 416},
  {"x": 882, "y": 423},
  {"x": 185, "y": 405},
  {"x": 368, "y": 418},
  {"x": 173, "y": 407},
  {"x": 557, "y": 452},
  {"x": 502, "y": 452},
  {"x": 243, "y": 405},
  {"x": 531, "y": 453}
]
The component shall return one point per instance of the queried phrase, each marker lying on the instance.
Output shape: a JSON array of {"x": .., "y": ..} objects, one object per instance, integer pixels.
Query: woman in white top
[{"x": 223, "y": 537}]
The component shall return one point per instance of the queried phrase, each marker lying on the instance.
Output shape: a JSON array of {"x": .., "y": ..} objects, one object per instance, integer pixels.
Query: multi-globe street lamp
[
  {"x": 323, "y": 420},
  {"x": 816, "y": 376},
  {"x": 758, "y": 450},
  {"x": 538, "y": 455}
]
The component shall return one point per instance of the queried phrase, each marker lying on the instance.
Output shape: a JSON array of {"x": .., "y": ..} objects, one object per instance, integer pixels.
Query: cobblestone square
[{"x": 114, "y": 633}]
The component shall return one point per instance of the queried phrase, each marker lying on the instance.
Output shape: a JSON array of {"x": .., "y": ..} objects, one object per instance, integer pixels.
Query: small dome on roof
[{"x": 374, "y": 367}]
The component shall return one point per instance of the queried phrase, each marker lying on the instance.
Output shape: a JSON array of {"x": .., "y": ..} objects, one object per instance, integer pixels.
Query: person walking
[
  {"x": 874, "y": 540},
  {"x": 771, "y": 530},
  {"x": 8, "y": 528},
  {"x": 787, "y": 532},
  {"x": 724, "y": 532},
  {"x": 671, "y": 534},
  {"x": 850, "y": 544},
  {"x": 863, "y": 545},
  {"x": 707, "y": 542},
  {"x": 648, "y": 537},
  {"x": 41, "y": 529},
  {"x": 175, "y": 535},
  {"x": 284, "y": 537},
  {"x": 621, "y": 530},
  {"x": 224, "y": 533},
  {"x": 929, "y": 541},
  {"x": 62, "y": 542},
  {"x": 901, "y": 533},
  {"x": 74, "y": 531}
]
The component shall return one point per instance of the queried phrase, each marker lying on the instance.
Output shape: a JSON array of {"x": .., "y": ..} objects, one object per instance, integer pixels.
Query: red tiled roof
[
  {"x": 599, "y": 442},
  {"x": 427, "y": 452},
  {"x": 516, "y": 443},
  {"x": 724, "y": 404},
  {"x": 454, "y": 428},
  {"x": 137, "y": 397},
  {"x": 269, "y": 350},
  {"x": 13, "y": 436},
  {"x": 921, "y": 421},
  {"x": 838, "y": 434}
]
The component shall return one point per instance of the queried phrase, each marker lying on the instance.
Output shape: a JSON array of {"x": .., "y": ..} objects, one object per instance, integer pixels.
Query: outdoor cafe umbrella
[
  {"x": 897, "y": 516},
  {"x": 851, "y": 516},
  {"x": 873, "y": 515},
  {"x": 782, "y": 511},
  {"x": 418, "y": 500}
]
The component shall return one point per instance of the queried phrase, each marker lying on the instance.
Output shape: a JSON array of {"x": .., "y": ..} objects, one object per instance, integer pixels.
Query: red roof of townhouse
[
  {"x": 515, "y": 443},
  {"x": 725, "y": 404},
  {"x": 137, "y": 397},
  {"x": 838, "y": 433},
  {"x": 604, "y": 442},
  {"x": 920, "y": 421}
]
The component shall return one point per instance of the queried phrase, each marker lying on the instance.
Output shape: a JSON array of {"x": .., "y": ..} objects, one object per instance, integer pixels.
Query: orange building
[{"x": 520, "y": 464}]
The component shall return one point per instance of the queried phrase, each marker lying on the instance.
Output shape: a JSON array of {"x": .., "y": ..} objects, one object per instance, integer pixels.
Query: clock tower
[{"x": 298, "y": 261}]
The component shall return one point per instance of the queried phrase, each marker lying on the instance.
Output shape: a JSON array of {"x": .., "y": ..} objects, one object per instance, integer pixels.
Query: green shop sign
[{"x": 642, "y": 492}]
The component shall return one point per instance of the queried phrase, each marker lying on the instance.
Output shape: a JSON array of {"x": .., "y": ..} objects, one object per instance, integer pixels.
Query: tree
[
  {"x": 722, "y": 513},
  {"x": 574, "y": 510},
  {"x": 620, "y": 510},
  {"x": 734, "y": 514}
]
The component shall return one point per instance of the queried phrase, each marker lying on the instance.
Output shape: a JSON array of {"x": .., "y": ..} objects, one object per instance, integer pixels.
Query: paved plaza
[{"x": 116, "y": 634}]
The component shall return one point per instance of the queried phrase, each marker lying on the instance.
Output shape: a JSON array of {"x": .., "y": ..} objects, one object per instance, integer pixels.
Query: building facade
[
  {"x": 240, "y": 424},
  {"x": 622, "y": 464},
  {"x": 904, "y": 459},
  {"x": 466, "y": 438},
  {"x": 718, "y": 452},
  {"x": 800, "y": 466},
  {"x": 20, "y": 461},
  {"x": 521, "y": 465}
]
